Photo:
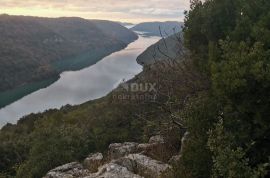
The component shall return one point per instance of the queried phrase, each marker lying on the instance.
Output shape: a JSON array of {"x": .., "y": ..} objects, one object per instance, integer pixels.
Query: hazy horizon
[
  {"x": 134, "y": 23},
  {"x": 114, "y": 10}
]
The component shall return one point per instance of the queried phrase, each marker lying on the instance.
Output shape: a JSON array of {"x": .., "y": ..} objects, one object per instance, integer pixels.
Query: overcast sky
[{"x": 118, "y": 10}]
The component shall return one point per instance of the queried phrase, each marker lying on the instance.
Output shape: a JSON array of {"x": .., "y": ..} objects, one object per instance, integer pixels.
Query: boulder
[
  {"x": 126, "y": 160},
  {"x": 145, "y": 166},
  {"x": 156, "y": 148},
  {"x": 93, "y": 161},
  {"x": 112, "y": 170},
  {"x": 174, "y": 159},
  {"x": 69, "y": 170},
  {"x": 184, "y": 141},
  {"x": 145, "y": 147},
  {"x": 127, "y": 163},
  {"x": 117, "y": 150},
  {"x": 156, "y": 139}
]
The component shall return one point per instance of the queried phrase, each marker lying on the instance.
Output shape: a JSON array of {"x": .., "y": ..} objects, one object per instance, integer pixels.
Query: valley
[
  {"x": 95, "y": 99},
  {"x": 34, "y": 51},
  {"x": 76, "y": 87},
  {"x": 164, "y": 29}
]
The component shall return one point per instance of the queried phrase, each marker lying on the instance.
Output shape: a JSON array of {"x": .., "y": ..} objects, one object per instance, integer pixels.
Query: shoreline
[
  {"x": 28, "y": 105},
  {"x": 84, "y": 60}
]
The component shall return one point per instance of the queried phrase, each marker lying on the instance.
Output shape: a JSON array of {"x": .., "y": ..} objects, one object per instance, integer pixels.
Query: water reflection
[{"x": 80, "y": 86}]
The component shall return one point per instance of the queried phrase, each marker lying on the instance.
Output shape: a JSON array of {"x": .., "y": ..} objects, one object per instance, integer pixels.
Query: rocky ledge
[{"x": 124, "y": 160}]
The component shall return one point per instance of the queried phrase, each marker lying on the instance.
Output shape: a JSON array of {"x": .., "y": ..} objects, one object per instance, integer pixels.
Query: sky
[{"x": 134, "y": 11}]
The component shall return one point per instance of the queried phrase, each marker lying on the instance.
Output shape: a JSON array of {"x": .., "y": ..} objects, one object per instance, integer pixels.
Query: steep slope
[
  {"x": 24, "y": 51},
  {"x": 40, "y": 142},
  {"x": 112, "y": 29},
  {"x": 30, "y": 45},
  {"x": 128, "y": 160},
  {"x": 84, "y": 33},
  {"x": 169, "y": 48},
  {"x": 154, "y": 28}
]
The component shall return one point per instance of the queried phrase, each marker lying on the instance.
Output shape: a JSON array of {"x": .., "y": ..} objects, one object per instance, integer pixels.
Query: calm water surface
[{"x": 81, "y": 86}]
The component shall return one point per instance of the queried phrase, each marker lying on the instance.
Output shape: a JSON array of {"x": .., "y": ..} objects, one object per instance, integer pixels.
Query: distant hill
[
  {"x": 154, "y": 28},
  {"x": 34, "y": 49},
  {"x": 112, "y": 29},
  {"x": 125, "y": 23},
  {"x": 168, "y": 48}
]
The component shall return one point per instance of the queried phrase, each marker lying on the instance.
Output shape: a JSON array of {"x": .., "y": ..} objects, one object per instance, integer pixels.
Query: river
[{"x": 76, "y": 87}]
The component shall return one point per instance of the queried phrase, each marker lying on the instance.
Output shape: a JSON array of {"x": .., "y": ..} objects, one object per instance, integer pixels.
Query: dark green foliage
[
  {"x": 230, "y": 161},
  {"x": 229, "y": 41},
  {"x": 41, "y": 142},
  {"x": 199, "y": 118},
  {"x": 54, "y": 143},
  {"x": 228, "y": 124}
]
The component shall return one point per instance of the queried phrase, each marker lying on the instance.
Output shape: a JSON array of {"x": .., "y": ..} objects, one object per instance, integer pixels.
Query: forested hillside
[
  {"x": 112, "y": 29},
  {"x": 34, "y": 49},
  {"x": 218, "y": 96},
  {"x": 40, "y": 142},
  {"x": 164, "y": 29},
  {"x": 229, "y": 126},
  {"x": 169, "y": 48}
]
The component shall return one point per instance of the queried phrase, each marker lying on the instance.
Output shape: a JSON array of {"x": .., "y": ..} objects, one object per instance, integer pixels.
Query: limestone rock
[
  {"x": 126, "y": 160},
  {"x": 112, "y": 170},
  {"x": 145, "y": 166},
  {"x": 184, "y": 141},
  {"x": 156, "y": 148},
  {"x": 174, "y": 159},
  {"x": 156, "y": 139},
  {"x": 145, "y": 147},
  {"x": 69, "y": 170},
  {"x": 93, "y": 161},
  {"x": 127, "y": 163},
  {"x": 117, "y": 150}
]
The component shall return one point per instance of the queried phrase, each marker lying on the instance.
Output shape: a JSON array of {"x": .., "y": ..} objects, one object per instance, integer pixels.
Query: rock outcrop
[
  {"x": 117, "y": 150},
  {"x": 176, "y": 158},
  {"x": 112, "y": 170},
  {"x": 184, "y": 141},
  {"x": 69, "y": 170},
  {"x": 156, "y": 148},
  {"x": 144, "y": 166},
  {"x": 124, "y": 160},
  {"x": 93, "y": 161},
  {"x": 156, "y": 139}
]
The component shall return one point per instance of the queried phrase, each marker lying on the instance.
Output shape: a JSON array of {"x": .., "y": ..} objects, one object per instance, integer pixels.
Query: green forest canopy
[{"x": 229, "y": 41}]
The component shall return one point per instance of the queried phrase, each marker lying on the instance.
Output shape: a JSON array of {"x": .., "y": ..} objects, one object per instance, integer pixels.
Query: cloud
[
  {"x": 156, "y": 12},
  {"x": 108, "y": 9}
]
